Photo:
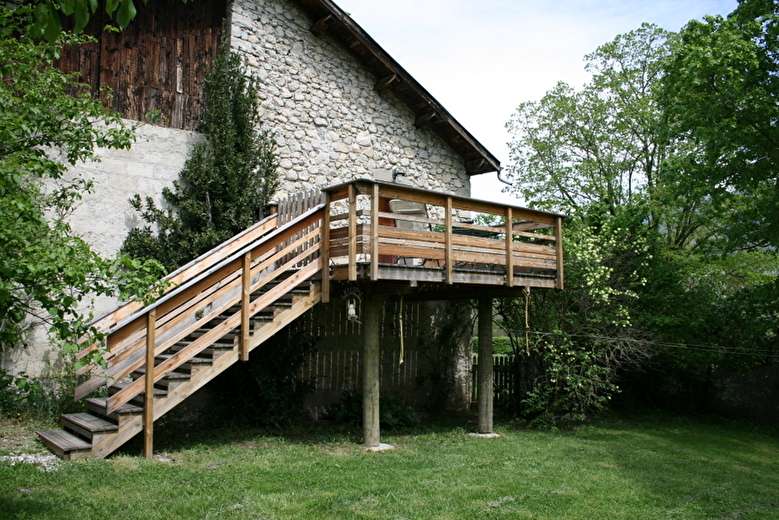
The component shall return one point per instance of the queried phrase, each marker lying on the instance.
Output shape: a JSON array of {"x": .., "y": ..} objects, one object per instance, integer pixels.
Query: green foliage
[
  {"x": 226, "y": 184},
  {"x": 721, "y": 90},
  {"x": 670, "y": 150},
  {"x": 44, "y": 17},
  {"x": 47, "y": 273},
  {"x": 568, "y": 363},
  {"x": 267, "y": 390},
  {"x": 392, "y": 412},
  {"x": 500, "y": 345}
]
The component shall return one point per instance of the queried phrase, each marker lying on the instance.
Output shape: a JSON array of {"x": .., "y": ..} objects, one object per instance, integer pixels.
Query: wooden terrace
[
  {"x": 435, "y": 240},
  {"x": 387, "y": 239}
]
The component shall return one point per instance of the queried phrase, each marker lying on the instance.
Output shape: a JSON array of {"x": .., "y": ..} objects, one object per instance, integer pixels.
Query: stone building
[{"x": 340, "y": 108}]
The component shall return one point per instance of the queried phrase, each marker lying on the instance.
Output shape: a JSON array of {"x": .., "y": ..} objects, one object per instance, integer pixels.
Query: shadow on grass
[{"x": 174, "y": 435}]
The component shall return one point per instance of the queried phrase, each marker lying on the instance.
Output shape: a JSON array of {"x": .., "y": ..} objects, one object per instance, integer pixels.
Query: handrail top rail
[
  {"x": 238, "y": 254},
  {"x": 461, "y": 198},
  {"x": 183, "y": 268}
]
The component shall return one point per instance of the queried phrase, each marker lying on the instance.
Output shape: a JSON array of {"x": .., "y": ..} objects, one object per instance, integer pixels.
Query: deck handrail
[
  {"x": 371, "y": 229},
  {"x": 175, "y": 315}
]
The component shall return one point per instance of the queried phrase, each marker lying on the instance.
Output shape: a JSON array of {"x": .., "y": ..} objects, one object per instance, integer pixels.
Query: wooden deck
[
  {"x": 396, "y": 240},
  {"x": 382, "y": 232}
]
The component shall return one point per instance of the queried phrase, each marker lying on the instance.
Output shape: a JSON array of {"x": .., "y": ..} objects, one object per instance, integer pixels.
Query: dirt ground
[{"x": 18, "y": 437}]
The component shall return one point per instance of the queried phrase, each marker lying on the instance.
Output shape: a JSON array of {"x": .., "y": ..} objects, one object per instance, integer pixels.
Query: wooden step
[
  {"x": 65, "y": 445},
  {"x": 168, "y": 382},
  {"x": 88, "y": 426},
  {"x": 124, "y": 413}
]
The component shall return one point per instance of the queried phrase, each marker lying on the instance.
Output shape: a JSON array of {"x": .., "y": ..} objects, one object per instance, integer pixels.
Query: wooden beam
[
  {"x": 509, "y": 247},
  {"x": 352, "y": 232},
  {"x": 449, "y": 266},
  {"x": 374, "y": 233},
  {"x": 246, "y": 282},
  {"x": 485, "y": 373},
  {"x": 148, "y": 401},
  {"x": 323, "y": 24},
  {"x": 326, "y": 249},
  {"x": 558, "y": 231},
  {"x": 426, "y": 119},
  {"x": 371, "y": 371},
  {"x": 386, "y": 83}
]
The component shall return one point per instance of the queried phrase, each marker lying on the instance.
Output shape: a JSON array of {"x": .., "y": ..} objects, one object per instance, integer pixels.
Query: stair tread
[
  {"x": 64, "y": 441},
  {"x": 169, "y": 375},
  {"x": 121, "y": 385},
  {"x": 194, "y": 360},
  {"x": 89, "y": 422},
  {"x": 101, "y": 402}
]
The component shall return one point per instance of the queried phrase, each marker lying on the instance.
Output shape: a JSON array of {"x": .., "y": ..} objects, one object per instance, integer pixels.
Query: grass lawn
[{"x": 610, "y": 469}]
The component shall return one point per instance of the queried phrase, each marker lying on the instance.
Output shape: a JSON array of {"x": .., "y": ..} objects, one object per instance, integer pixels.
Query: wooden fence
[{"x": 504, "y": 379}]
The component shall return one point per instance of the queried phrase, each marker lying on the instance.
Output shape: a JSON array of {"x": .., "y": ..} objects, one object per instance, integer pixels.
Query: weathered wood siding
[{"x": 158, "y": 63}]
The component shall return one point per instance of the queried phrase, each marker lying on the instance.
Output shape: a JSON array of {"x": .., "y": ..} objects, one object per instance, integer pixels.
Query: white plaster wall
[{"x": 104, "y": 217}]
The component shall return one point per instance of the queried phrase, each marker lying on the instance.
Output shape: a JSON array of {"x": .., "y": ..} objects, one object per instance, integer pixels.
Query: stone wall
[{"x": 331, "y": 125}]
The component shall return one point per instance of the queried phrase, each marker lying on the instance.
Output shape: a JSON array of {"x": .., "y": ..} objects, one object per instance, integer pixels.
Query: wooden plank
[
  {"x": 326, "y": 248},
  {"x": 560, "y": 281},
  {"x": 148, "y": 403},
  {"x": 374, "y": 233},
  {"x": 509, "y": 241},
  {"x": 352, "y": 232},
  {"x": 246, "y": 279},
  {"x": 449, "y": 266}
]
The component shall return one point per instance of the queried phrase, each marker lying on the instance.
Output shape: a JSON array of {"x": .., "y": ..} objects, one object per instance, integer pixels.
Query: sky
[{"x": 482, "y": 58}]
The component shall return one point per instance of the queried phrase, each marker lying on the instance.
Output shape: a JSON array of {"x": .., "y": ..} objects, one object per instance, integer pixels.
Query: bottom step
[{"x": 65, "y": 445}]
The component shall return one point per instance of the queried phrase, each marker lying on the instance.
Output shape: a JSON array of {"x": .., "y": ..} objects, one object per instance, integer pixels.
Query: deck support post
[
  {"x": 148, "y": 401},
  {"x": 485, "y": 374},
  {"x": 371, "y": 371}
]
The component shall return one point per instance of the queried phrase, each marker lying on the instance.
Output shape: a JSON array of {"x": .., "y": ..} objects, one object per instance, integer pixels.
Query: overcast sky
[{"x": 481, "y": 58}]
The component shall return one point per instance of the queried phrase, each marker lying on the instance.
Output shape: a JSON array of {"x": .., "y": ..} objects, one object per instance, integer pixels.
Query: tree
[
  {"x": 227, "y": 183},
  {"x": 721, "y": 91},
  {"x": 44, "y": 17},
  {"x": 47, "y": 273},
  {"x": 616, "y": 157}
]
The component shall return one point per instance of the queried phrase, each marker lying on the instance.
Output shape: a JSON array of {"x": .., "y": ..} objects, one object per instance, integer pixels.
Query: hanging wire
[
  {"x": 526, "y": 292},
  {"x": 692, "y": 347},
  {"x": 400, "y": 331}
]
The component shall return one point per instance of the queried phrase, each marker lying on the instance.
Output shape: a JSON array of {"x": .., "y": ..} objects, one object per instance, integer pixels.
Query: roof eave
[{"x": 428, "y": 112}]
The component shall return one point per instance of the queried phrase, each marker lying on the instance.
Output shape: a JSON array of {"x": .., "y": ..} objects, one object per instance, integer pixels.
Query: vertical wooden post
[
  {"x": 352, "y": 232},
  {"x": 326, "y": 249},
  {"x": 246, "y": 282},
  {"x": 449, "y": 266},
  {"x": 148, "y": 400},
  {"x": 509, "y": 248},
  {"x": 375, "y": 232},
  {"x": 371, "y": 371},
  {"x": 558, "y": 233},
  {"x": 486, "y": 374}
]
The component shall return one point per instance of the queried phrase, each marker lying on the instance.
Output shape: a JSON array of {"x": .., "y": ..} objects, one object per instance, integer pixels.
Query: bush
[{"x": 392, "y": 412}]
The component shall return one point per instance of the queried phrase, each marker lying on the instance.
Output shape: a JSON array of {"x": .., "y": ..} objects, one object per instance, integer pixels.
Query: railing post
[
  {"x": 509, "y": 247},
  {"x": 352, "y": 232},
  {"x": 148, "y": 401},
  {"x": 449, "y": 265},
  {"x": 326, "y": 249},
  {"x": 375, "y": 232},
  {"x": 558, "y": 232},
  {"x": 246, "y": 282}
]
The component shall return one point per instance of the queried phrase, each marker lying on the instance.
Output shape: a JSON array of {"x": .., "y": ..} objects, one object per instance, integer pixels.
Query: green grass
[{"x": 637, "y": 469}]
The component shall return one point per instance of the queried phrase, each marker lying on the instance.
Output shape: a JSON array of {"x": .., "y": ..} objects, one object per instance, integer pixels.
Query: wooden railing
[
  {"x": 373, "y": 230},
  {"x": 380, "y": 225},
  {"x": 219, "y": 292}
]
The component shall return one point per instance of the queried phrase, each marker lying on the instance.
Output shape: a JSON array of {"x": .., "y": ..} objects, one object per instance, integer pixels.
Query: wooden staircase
[{"x": 220, "y": 307}]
